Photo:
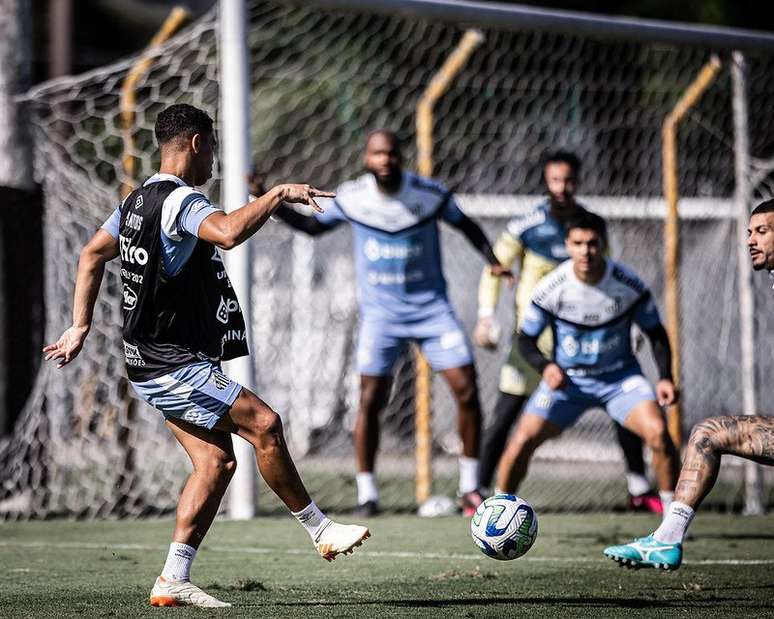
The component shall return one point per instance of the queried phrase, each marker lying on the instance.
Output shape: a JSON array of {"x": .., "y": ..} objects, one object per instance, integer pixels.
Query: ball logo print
[{"x": 504, "y": 527}]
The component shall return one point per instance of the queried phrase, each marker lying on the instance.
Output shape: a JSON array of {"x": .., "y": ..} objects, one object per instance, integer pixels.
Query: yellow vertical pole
[
  {"x": 128, "y": 99},
  {"x": 672, "y": 227},
  {"x": 437, "y": 87}
]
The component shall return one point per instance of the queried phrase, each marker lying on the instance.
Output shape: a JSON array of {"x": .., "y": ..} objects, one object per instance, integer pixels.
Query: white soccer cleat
[
  {"x": 182, "y": 593},
  {"x": 334, "y": 539}
]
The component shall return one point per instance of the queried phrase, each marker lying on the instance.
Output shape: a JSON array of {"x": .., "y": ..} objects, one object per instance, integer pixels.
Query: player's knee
[
  {"x": 373, "y": 398},
  {"x": 466, "y": 394},
  {"x": 219, "y": 467},
  {"x": 704, "y": 436},
  {"x": 266, "y": 424},
  {"x": 657, "y": 436}
]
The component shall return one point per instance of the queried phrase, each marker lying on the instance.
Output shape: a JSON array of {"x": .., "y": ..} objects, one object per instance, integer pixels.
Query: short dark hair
[
  {"x": 587, "y": 220},
  {"x": 181, "y": 120},
  {"x": 563, "y": 156},
  {"x": 763, "y": 207}
]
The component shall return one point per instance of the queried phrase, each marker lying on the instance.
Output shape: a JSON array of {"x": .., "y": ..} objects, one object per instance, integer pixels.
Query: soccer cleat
[
  {"x": 334, "y": 539},
  {"x": 647, "y": 552},
  {"x": 182, "y": 593},
  {"x": 470, "y": 502},
  {"x": 648, "y": 502},
  {"x": 369, "y": 509}
]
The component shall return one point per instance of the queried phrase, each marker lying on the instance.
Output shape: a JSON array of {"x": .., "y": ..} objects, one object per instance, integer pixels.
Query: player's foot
[
  {"x": 470, "y": 502},
  {"x": 369, "y": 509},
  {"x": 334, "y": 539},
  {"x": 648, "y": 502},
  {"x": 182, "y": 593},
  {"x": 647, "y": 552}
]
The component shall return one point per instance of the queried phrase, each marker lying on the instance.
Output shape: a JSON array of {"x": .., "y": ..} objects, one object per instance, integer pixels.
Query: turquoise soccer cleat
[{"x": 647, "y": 552}]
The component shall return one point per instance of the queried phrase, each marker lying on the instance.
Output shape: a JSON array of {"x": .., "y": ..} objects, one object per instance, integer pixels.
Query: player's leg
[
  {"x": 648, "y": 422},
  {"x": 252, "y": 419},
  {"x": 530, "y": 433},
  {"x": 546, "y": 415},
  {"x": 212, "y": 457},
  {"x": 517, "y": 382},
  {"x": 747, "y": 437},
  {"x": 641, "y": 494},
  {"x": 378, "y": 349},
  {"x": 446, "y": 347}
]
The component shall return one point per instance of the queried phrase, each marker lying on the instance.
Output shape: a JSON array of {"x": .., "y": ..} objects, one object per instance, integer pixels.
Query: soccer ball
[{"x": 504, "y": 527}]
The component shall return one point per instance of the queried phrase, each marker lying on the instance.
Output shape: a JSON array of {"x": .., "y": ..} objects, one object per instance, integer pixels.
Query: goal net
[{"x": 84, "y": 445}]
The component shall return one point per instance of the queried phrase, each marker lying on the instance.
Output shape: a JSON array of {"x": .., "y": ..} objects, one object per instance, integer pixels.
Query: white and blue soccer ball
[{"x": 504, "y": 527}]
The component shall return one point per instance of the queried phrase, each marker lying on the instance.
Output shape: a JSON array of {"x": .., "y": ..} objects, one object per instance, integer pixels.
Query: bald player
[
  {"x": 750, "y": 437},
  {"x": 402, "y": 293}
]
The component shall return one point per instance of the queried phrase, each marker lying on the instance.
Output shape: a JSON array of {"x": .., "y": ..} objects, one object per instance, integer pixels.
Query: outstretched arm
[
  {"x": 477, "y": 238},
  {"x": 229, "y": 230},
  {"x": 662, "y": 353},
  {"x": 304, "y": 223},
  {"x": 100, "y": 250}
]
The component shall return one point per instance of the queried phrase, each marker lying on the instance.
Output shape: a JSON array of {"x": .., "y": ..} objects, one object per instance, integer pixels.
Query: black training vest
[{"x": 172, "y": 321}]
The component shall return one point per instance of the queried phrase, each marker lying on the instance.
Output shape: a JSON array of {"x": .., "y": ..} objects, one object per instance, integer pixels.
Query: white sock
[
  {"x": 468, "y": 474},
  {"x": 311, "y": 518},
  {"x": 179, "y": 559},
  {"x": 675, "y": 523},
  {"x": 366, "y": 488},
  {"x": 637, "y": 484},
  {"x": 666, "y": 499}
]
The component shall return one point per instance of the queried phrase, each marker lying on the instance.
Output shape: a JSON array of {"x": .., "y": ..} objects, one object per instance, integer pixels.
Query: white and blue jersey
[
  {"x": 591, "y": 325},
  {"x": 400, "y": 283}
]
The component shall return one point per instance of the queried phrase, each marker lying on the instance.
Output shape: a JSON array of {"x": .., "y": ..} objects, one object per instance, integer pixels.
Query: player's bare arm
[
  {"x": 100, "y": 250},
  {"x": 227, "y": 230},
  {"x": 748, "y": 437}
]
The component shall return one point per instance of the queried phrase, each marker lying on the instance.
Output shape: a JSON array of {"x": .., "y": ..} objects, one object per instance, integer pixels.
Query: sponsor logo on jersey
[
  {"x": 234, "y": 335},
  {"x": 130, "y": 253},
  {"x": 376, "y": 278},
  {"x": 570, "y": 345},
  {"x": 226, "y": 307},
  {"x": 374, "y": 250},
  {"x": 559, "y": 250},
  {"x": 138, "y": 203},
  {"x": 130, "y": 298},
  {"x": 134, "y": 221},
  {"x": 219, "y": 380},
  {"x": 133, "y": 356}
]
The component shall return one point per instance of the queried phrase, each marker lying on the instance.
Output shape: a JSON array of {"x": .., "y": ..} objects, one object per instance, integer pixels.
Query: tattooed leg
[{"x": 748, "y": 437}]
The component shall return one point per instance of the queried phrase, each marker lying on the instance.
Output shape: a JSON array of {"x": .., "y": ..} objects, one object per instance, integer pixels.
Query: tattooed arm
[{"x": 747, "y": 437}]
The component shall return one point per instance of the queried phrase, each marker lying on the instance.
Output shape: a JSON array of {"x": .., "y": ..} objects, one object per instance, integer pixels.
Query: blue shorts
[
  {"x": 199, "y": 393},
  {"x": 617, "y": 392},
  {"x": 442, "y": 339}
]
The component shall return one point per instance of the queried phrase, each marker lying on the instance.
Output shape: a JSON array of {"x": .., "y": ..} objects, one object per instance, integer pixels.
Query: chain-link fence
[{"x": 321, "y": 78}]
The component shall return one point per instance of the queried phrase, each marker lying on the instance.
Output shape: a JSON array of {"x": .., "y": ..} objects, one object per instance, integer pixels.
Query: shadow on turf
[{"x": 586, "y": 602}]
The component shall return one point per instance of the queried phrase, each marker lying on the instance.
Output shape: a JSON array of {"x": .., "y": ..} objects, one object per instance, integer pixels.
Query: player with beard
[
  {"x": 750, "y": 437},
  {"x": 402, "y": 293},
  {"x": 534, "y": 243}
]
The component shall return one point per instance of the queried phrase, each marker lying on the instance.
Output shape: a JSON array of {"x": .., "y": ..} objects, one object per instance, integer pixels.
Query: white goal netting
[{"x": 85, "y": 446}]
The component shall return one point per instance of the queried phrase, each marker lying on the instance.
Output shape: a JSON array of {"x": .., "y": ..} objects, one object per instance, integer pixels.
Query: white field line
[{"x": 257, "y": 550}]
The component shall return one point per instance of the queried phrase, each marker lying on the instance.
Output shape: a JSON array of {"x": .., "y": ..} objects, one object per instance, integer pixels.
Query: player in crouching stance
[
  {"x": 180, "y": 313},
  {"x": 589, "y": 303},
  {"x": 750, "y": 437},
  {"x": 402, "y": 292}
]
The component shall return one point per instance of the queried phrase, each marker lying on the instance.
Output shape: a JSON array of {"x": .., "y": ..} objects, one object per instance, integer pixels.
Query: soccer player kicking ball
[
  {"x": 402, "y": 292},
  {"x": 535, "y": 241},
  {"x": 590, "y": 303},
  {"x": 750, "y": 437},
  {"x": 181, "y": 319}
]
